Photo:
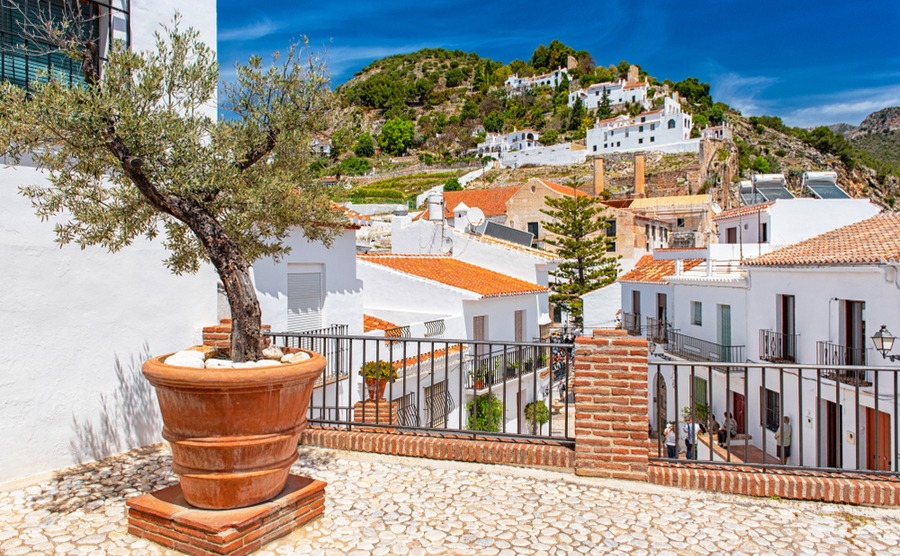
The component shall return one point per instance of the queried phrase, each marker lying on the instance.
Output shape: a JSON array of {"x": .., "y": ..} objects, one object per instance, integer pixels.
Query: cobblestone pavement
[{"x": 391, "y": 505}]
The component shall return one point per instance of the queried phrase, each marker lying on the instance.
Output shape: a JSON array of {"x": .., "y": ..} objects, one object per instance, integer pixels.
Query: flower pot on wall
[
  {"x": 234, "y": 432},
  {"x": 376, "y": 388}
]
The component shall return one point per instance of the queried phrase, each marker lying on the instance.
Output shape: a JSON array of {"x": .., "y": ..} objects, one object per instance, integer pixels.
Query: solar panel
[
  {"x": 772, "y": 192},
  {"x": 749, "y": 198},
  {"x": 826, "y": 190},
  {"x": 506, "y": 233}
]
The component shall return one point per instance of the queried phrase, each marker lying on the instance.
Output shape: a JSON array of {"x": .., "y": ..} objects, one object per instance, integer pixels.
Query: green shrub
[
  {"x": 536, "y": 413},
  {"x": 489, "y": 415},
  {"x": 378, "y": 370}
]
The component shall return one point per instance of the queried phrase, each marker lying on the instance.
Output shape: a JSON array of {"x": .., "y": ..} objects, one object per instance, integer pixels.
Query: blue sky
[{"x": 809, "y": 62}]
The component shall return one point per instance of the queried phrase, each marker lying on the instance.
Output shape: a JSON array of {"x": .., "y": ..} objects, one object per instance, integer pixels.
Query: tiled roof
[
  {"x": 865, "y": 242},
  {"x": 633, "y": 85},
  {"x": 563, "y": 189},
  {"x": 427, "y": 357},
  {"x": 650, "y": 270},
  {"x": 455, "y": 273},
  {"x": 676, "y": 200},
  {"x": 492, "y": 202},
  {"x": 371, "y": 323},
  {"x": 743, "y": 211}
]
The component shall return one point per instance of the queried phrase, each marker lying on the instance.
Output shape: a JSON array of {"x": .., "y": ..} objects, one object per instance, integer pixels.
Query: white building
[
  {"x": 815, "y": 302},
  {"x": 666, "y": 129},
  {"x": 619, "y": 92},
  {"x": 498, "y": 143},
  {"x": 416, "y": 292},
  {"x": 515, "y": 84},
  {"x": 77, "y": 324}
]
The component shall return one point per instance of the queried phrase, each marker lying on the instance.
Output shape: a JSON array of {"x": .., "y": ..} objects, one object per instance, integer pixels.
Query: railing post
[{"x": 611, "y": 414}]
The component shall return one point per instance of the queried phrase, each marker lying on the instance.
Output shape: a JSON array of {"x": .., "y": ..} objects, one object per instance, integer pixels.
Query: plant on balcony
[
  {"x": 377, "y": 374},
  {"x": 537, "y": 414},
  {"x": 512, "y": 369},
  {"x": 485, "y": 413}
]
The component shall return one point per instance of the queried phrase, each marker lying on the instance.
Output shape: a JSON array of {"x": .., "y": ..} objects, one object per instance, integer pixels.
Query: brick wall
[
  {"x": 219, "y": 335},
  {"x": 611, "y": 406},
  {"x": 443, "y": 448}
]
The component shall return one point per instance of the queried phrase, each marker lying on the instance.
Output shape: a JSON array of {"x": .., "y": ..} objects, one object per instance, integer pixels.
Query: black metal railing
[
  {"x": 435, "y": 328},
  {"x": 777, "y": 347},
  {"x": 631, "y": 322},
  {"x": 835, "y": 426},
  {"x": 828, "y": 353},
  {"x": 326, "y": 341},
  {"x": 453, "y": 387},
  {"x": 397, "y": 332},
  {"x": 695, "y": 349},
  {"x": 657, "y": 330}
]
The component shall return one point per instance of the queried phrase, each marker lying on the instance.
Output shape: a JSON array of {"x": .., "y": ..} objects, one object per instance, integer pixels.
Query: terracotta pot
[
  {"x": 234, "y": 432},
  {"x": 376, "y": 388}
]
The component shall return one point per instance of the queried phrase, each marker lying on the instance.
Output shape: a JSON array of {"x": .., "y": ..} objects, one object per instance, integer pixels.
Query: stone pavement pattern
[{"x": 390, "y": 505}]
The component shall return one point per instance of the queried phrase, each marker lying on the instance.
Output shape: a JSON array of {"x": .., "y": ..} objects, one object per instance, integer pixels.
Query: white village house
[
  {"x": 496, "y": 144},
  {"x": 619, "y": 92},
  {"x": 667, "y": 129},
  {"x": 816, "y": 301},
  {"x": 517, "y": 84},
  {"x": 78, "y": 324}
]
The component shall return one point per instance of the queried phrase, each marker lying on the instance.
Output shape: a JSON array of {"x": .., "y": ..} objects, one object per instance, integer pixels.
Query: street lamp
[{"x": 884, "y": 341}]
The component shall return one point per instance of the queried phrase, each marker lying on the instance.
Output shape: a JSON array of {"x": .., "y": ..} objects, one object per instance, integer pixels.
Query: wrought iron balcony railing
[
  {"x": 828, "y": 353},
  {"x": 631, "y": 322},
  {"x": 695, "y": 349},
  {"x": 777, "y": 347}
]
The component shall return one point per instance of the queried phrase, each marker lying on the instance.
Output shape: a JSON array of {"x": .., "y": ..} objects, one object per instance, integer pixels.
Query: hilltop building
[
  {"x": 516, "y": 84},
  {"x": 667, "y": 129},
  {"x": 619, "y": 92}
]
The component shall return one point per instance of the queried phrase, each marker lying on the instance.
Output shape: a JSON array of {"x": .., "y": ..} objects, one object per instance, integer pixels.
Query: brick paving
[{"x": 390, "y": 505}]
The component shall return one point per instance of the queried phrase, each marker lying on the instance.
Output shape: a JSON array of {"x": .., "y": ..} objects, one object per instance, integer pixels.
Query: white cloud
[
  {"x": 844, "y": 107},
  {"x": 741, "y": 92},
  {"x": 251, "y": 31}
]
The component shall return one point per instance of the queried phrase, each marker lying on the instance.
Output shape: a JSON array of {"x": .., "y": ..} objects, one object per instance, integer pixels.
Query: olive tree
[{"x": 138, "y": 151}]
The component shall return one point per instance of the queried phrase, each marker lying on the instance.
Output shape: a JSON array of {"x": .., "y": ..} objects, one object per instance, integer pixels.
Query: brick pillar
[
  {"x": 611, "y": 406},
  {"x": 639, "y": 170},
  {"x": 382, "y": 413},
  {"x": 599, "y": 176},
  {"x": 219, "y": 336}
]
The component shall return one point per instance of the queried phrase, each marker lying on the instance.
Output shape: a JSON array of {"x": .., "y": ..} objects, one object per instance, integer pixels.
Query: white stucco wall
[
  {"x": 76, "y": 326},
  {"x": 343, "y": 299},
  {"x": 554, "y": 155},
  {"x": 601, "y": 306}
]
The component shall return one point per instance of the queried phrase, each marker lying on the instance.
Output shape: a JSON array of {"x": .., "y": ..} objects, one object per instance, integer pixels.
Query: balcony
[
  {"x": 657, "y": 330},
  {"x": 695, "y": 349},
  {"x": 777, "y": 347},
  {"x": 631, "y": 322},
  {"x": 828, "y": 353}
]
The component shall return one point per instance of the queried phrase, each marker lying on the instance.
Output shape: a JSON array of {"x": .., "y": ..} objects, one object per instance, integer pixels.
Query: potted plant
[
  {"x": 480, "y": 376},
  {"x": 138, "y": 150},
  {"x": 377, "y": 374},
  {"x": 512, "y": 369},
  {"x": 485, "y": 413},
  {"x": 537, "y": 414}
]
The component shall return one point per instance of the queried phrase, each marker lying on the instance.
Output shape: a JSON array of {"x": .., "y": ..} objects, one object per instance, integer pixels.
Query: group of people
[{"x": 723, "y": 434}]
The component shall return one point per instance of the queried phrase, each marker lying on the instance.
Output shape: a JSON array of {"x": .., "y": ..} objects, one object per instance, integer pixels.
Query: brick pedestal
[
  {"x": 219, "y": 336},
  {"x": 611, "y": 406},
  {"x": 383, "y": 413},
  {"x": 165, "y": 518}
]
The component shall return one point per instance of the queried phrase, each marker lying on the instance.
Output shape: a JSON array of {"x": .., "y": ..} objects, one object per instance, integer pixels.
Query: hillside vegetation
[{"x": 438, "y": 104}]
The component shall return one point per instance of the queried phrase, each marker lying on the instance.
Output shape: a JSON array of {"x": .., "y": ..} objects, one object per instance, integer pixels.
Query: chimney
[
  {"x": 599, "y": 177},
  {"x": 639, "y": 175}
]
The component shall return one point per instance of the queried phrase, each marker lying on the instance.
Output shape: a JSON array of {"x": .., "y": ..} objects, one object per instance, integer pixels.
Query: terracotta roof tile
[
  {"x": 634, "y": 85},
  {"x": 742, "y": 211},
  {"x": 371, "y": 323},
  {"x": 865, "y": 242},
  {"x": 455, "y": 273},
  {"x": 650, "y": 270},
  {"x": 563, "y": 189},
  {"x": 492, "y": 202},
  {"x": 427, "y": 357}
]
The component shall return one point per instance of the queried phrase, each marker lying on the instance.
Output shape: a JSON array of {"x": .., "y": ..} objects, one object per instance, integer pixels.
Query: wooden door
[
  {"x": 878, "y": 457},
  {"x": 740, "y": 412},
  {"x": 833, "y": 441}
]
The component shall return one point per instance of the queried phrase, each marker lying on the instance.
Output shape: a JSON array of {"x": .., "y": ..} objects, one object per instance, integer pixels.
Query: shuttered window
[
  {"x": 304, "y": 301},
  {"x": 520, "y": 326}
]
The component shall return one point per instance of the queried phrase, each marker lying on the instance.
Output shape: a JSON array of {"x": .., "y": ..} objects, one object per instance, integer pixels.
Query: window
[
  {"x": 618, "y": 143},
  {"x": 640, "y": 140},
  {"x": 406, "y": 410},
  {"x": 643, "y": 119},
  {"x": 24, "y": 61},
  {"x": 652, "y": 139},
  {"x": 304, "y": 300},
  {"x": 770, "y": 409},
  {"x": 611, "y": 234},
  {"x": 640, "y": 127},
  {"x": 731, "y": 235},
  {"x": 595, "y": 148},
  {"x": 534, "y": 228},
  {"x": 764, "y": 232},
  {"x": 652, "y": 127},
  {"x": 697, "y": 313},
  {"x": 438, "y": 404},
  {"x": 604, "y": 145},
  {"x": 672, "y": 123}
]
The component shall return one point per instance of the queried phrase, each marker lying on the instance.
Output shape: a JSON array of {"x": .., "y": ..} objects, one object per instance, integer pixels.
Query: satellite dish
[
  {"x": 475, "y": 217},
  {"x": 446, "y": 246}
]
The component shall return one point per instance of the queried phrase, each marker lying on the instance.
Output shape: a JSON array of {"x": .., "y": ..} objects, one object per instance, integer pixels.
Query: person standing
[
  {"x": 671, "y": 441},
  {"x": 690, "y": 438},
  {"x": 783, "y": 440}
]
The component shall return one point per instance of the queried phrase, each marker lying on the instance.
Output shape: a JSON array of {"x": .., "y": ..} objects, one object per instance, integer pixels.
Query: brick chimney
[
  {"x": 599, "y": 177},
  {"x": 639, "y": 176}
]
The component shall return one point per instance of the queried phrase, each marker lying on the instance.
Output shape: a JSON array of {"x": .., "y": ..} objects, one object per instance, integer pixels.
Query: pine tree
[
  {"x": 604, "y": 111},
  {"x": 576, "y": 224}
]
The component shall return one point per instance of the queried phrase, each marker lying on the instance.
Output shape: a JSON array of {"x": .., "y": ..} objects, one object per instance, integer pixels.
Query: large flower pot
[{"x": 234, "y": 432}]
